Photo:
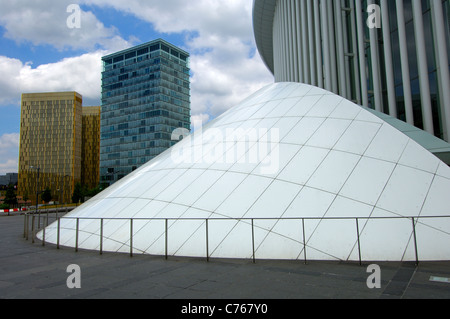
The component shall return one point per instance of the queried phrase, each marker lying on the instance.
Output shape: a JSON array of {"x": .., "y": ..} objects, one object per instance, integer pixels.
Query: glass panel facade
[{"x": 145, "y": 97}]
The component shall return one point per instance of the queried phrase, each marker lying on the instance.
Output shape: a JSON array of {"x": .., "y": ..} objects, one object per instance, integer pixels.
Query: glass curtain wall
[{"x": 145, "y": 97}]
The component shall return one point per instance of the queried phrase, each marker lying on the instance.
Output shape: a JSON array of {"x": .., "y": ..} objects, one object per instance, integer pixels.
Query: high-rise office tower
[
  {"x": 59, "y": 145},
  {"x": 50, "y": 144},
  {"x": 145, "y": 97},
  {"x": 90, "y": 159}
]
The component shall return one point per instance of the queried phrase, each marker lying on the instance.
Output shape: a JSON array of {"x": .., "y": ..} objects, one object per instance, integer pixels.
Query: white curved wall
[
  {"x": 303, "y": 163},
  {"x": 327, "y": 43}
]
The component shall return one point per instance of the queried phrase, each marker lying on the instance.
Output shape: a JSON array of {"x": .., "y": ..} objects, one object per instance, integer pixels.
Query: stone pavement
[{"x": 31, "y": 271}]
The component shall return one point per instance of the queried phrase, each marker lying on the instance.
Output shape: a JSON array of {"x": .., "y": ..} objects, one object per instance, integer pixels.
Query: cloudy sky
[{"x": 40, "y": 53}]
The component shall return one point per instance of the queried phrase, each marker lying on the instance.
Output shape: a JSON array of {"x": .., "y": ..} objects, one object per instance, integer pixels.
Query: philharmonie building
[{"x": 344, "y": 157}]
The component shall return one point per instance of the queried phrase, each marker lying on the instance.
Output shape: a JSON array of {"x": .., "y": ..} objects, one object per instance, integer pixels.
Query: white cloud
[
  {"x": 199, "y": 120},
  {"x": 81, "y": 74},
  {"x": 45, "y": 22},
  {"x": 10, "y": 82},
  {"x": 225, "y": 76},
  {"x": 221, "y": 17},
  {"x": 9, "y": 153},
  {"x": 10, "y": 166}
]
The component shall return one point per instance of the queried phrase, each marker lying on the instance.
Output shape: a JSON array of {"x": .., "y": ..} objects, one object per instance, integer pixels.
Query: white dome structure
[{"x": 292, "y": 172}]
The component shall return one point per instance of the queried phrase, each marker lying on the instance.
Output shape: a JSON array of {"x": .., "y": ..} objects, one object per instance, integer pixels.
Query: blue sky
[{"x": 40, "y": 53}]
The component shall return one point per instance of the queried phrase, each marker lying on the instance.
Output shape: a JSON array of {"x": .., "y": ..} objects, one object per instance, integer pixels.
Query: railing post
[
  {"x": 58, "y": 233},
  {"x": 415, "y": 241},
  {"x": 253, "y": 242},
  {"x": 207, "y": 242},
  {"x": 32, "y": 229},
  {"x": 131, "y": 237},
  {"x": 359, "y": 243},
  {"x": 24, "y": 225},
  {"x": 28, "y": 225},
  {"x": 101, "y": 236},
  {"x": 304, "y": 240},
  {"x": 43, "y": 234},
  {"x": 76, "y": 235},
  {"x": 27, "y": 217},
  {"x": 167, "y": 237}
]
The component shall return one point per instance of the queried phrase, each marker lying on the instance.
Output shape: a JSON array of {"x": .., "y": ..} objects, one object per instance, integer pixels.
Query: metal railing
[
  {"x": 45, "y": 219},
  {"x": 249, "y": 221}
]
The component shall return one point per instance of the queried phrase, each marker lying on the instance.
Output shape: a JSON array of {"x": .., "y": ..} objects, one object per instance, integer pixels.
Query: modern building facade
[
  {"x": 391, "y": 56},
  {"x": 50, "y": 143},
  {"x": 56, "y": 150},
  {"x": 90, "y": 153},
  {"x": 145, "y": 97},
  {"x": 328, "y": 180}
]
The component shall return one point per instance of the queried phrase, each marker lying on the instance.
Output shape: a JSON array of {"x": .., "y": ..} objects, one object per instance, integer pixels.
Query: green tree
[
  {"x": 10, "y": 196},
  {"x": 77, "y": 193},
  {"x": 47, "y": 195},
  {"x": 94, "y": 191},
  {"x": 25, "y": 197}
]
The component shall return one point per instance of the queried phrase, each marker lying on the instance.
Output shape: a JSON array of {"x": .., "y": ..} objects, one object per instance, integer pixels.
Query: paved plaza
[{"x": 31, "y": 271}]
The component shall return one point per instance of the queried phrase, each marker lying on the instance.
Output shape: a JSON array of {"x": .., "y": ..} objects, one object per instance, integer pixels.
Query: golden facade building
[
  {"x": 90, "y": 154},
  {"x": 51, "y": 144}
]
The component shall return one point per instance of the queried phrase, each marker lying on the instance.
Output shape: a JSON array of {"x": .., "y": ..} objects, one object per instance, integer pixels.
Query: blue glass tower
[{"x": 145, "y": 97}]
